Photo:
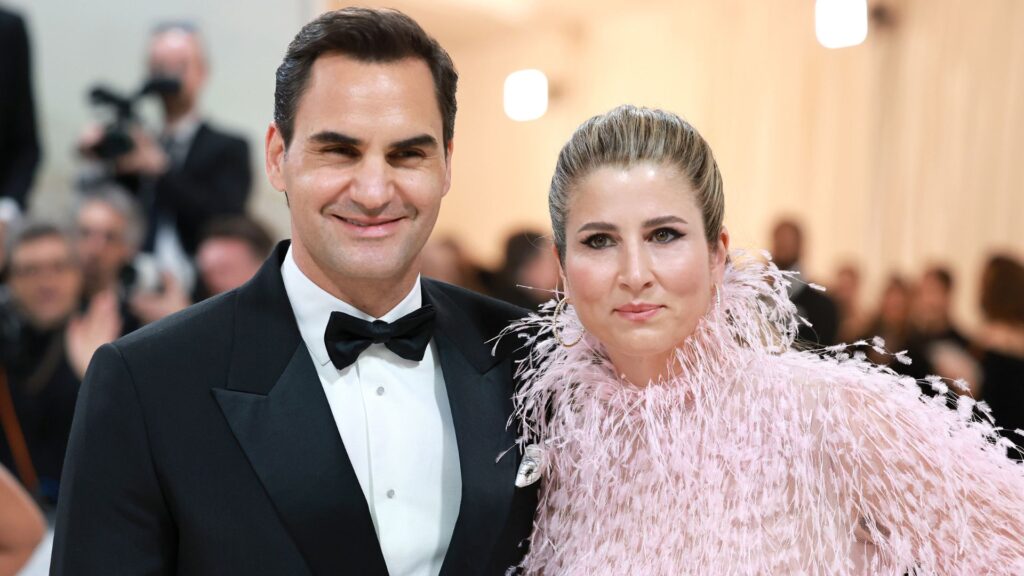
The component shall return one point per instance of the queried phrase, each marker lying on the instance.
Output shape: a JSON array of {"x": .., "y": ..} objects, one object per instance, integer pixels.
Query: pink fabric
[{"x": 758, "y": 459}]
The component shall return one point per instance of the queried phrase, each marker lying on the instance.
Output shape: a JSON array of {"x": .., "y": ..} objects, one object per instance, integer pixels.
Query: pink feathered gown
[{"x": 758, "y": 459}]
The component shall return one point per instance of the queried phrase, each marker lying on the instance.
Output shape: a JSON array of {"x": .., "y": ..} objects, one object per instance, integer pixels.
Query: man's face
[
  {"x": 102, "y": 245},
  {"x": 177, "y": 54},
  {"x": 45, "y": 281},
  {"x": 786, "y": 246},
  {"x": 226, "y": 263},
  {"x": 365, "y": 171}
]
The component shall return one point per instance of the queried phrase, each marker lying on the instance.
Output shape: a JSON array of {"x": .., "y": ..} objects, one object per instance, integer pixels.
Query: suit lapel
[
  {"x": 479, "y": 392},
  {"x": 277, "y": 410}
]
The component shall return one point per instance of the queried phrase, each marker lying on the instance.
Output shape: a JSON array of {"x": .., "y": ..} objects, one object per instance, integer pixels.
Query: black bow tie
[{"x": 347, "y": 336}]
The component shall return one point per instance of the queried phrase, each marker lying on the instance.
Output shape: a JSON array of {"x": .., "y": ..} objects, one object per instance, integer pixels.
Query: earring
[
  {"x": 556, "y": 331},
  {"x": 718, "y": 296}
]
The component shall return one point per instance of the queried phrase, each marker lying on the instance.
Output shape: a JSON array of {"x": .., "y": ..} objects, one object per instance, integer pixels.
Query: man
[
  {"x": 817, "y": 307},
  {"x": 274, "y": 429},
  {"x": 109, "y": 231},
  {"x": 231, "y": 252},
  {"x": 44, "y": 352},
  {"x": 933, "y": 308},
  {"x": 19, "y": 144},
  {"x": 193, "y": 172}
]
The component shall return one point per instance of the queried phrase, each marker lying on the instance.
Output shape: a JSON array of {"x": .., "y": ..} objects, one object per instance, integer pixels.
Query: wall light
[
  {"x": 840, "y": 23},
  {"x": 526, "y": 95}
]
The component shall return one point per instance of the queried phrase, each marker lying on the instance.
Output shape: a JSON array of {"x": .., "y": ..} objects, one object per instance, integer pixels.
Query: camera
[{"x": 117, "y": 140}]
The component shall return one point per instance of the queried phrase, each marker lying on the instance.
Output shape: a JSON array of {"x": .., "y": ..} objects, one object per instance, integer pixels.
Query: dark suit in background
[
  {"x": 19, "y": 144},
  {"x": 211, "y": 179},
  {"x": 229, "y": 460},
  {"x": 821, "y": 311}
]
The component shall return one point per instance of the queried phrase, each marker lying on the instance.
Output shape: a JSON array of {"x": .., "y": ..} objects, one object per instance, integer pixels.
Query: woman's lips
[{"x": 638, "y": 312}]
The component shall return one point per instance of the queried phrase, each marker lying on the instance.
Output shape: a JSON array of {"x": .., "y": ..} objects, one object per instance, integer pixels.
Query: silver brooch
[{"x": 532, "y": 466}]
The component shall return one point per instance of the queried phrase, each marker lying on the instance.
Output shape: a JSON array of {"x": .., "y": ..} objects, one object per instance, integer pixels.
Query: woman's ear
[
  {"x": 720, "y": 255},
  {"x": 561, "y": 270}
]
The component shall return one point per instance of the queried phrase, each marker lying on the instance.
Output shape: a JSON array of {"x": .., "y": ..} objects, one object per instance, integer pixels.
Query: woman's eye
[
  {"x": 664, "y": 235},
  {"x": 598, "y": 241}
]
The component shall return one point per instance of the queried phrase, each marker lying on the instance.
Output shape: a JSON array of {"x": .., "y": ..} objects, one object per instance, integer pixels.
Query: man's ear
[
  {"x": 274, "y": 147},
  {"x": 448, "y": 151}
]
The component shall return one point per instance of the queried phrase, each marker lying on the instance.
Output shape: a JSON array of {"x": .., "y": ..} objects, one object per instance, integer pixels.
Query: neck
[
  {"x": 374, "y": 296},
  {"x": 174, "y": 114},
  {"x": 645, "y": 370}
]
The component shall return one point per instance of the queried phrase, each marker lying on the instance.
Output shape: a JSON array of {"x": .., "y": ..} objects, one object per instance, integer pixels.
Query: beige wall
[{"x": 897, "y": 153}]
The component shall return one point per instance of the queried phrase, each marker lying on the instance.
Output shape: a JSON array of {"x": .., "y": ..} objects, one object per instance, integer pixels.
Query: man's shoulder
[
  {"x": 476, "y": 304},
  {"x": 198, "y": 325}
]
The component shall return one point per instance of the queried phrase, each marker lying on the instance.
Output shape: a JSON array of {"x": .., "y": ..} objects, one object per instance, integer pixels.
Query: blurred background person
[
  {"x": 814, "y": 305},
  {"x": 190, "y": 172},
  {"x": 21, "y": 525},
  {"x": 932, "y": 308},
  {"x": 45, "y": 347},
  {"x": 943, "y": 347},
  {"x": 19, "y": 143},
  {"x": 230, "y": 253},
  {"x": 892, "y": 323},
  {"x": 1000, "y": 342},
  {"x": 108, "y": 233},
  {"x": 529, "y": 275},
  {"x": 846, "y": 293},
  {"x": 444, "y": 259}
]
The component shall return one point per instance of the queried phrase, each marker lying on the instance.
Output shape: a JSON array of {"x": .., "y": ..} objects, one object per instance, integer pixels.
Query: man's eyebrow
[
  {"x": 329, "y": 137},
  {"x": 425, "y": 140}
]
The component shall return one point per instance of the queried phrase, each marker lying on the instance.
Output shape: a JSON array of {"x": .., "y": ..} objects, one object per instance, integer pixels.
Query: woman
[
  {"x": 1000, "y": 342},
  {"x": 21, "y": 525},
  {"x": 677, "y": 432}
]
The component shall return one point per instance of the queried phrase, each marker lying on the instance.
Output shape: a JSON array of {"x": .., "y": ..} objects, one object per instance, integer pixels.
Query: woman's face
[{"x": 638, "y": 268}]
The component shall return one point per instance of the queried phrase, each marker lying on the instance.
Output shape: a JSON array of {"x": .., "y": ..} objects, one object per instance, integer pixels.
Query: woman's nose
[{"x": 635, "y": 271}]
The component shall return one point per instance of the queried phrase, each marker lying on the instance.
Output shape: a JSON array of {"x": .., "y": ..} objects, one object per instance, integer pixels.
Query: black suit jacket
[
  {"x": 822, "y": 313},
  {"x": 204, "y": 444},
  {"x": 19, "y": 145},
  {"x": 213, "y": 180}
]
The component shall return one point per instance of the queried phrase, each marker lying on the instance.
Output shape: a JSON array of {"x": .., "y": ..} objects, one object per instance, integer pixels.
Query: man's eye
[
  {"x": 664, "y": 235},
  {"x": 598, "y": 241},
  {"x": 344, "y": 151},
  {"x": 407, "y": 154}
]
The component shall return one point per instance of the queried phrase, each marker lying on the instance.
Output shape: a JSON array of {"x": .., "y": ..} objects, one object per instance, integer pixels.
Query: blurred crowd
[
  {"x": 159, "y": 221},
  {"x": 911, "y": 327}
]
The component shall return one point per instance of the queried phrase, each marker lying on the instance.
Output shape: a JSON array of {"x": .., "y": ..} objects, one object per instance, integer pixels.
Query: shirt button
[
  {"x": 380, "y": 391},
  {"x": 391, "y": 494}
]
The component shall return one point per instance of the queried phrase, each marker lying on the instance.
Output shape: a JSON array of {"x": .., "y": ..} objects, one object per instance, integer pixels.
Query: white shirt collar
[
  {"x": 312, "y": 306},
  {"x": 184, "y": 129}
]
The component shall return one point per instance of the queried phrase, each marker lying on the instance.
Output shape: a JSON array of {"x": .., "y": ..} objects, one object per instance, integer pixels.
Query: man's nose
[{"x": 372, "y": 186}]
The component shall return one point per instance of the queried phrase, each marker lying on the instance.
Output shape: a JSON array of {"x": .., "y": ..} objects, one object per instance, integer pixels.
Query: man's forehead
[
  {"x": 174, "y": 44},
  {"x": 43, "y": 246},
  {"x": 341, "y": 79}
]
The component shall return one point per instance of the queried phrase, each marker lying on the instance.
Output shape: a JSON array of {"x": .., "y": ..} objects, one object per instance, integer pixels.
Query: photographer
[{"x": 187, "y": 174}]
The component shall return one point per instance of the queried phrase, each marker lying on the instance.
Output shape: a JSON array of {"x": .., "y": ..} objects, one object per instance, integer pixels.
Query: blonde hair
[{"x": 630, "y": 135}]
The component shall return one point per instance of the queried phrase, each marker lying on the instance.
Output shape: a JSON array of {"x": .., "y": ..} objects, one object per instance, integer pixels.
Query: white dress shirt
[{"x": 394, "y": 418}]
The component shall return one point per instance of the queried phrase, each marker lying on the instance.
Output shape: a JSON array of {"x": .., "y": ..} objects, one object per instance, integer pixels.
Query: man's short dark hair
[
  {"x": 366, "y": 35},
  {"x": 243, "y": 228},
  {"x": 943, "y": 275},
  {"x": 30, "y": 231}
]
